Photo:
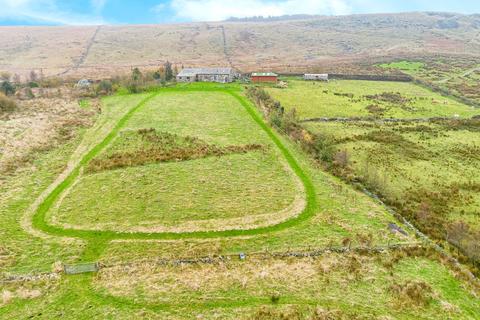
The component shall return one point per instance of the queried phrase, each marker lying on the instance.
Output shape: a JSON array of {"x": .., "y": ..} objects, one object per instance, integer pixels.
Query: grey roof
[{"x": 191, "y": 72}]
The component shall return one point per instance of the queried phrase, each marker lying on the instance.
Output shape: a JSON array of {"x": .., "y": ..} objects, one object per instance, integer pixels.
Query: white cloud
[
  {"x": 214, "y": 10},
  {"x": 98, "y": 5},
  {"x": 47, "y": 11}
]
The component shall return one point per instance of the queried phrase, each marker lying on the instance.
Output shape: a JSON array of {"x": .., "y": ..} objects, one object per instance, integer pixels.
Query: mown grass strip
[{"x": 40, "y": 223}]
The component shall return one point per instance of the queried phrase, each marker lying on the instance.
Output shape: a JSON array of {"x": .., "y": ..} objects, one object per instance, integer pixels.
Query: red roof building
[{"x": 264, "y": 77}]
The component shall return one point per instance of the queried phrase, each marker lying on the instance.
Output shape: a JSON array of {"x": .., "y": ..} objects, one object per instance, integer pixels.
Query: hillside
[{"x": 290, "y": 44}]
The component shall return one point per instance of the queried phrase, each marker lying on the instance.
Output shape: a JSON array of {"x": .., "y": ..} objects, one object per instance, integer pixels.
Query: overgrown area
[
  {"x": 347, "y": 259},
  {"x": 457, "y": 76},
  {"x": 35, "y": 126},
  {"x": 426, "y": 170},
  {"x": 367, "y": 99},
  {"x": 146, "y": 146}
]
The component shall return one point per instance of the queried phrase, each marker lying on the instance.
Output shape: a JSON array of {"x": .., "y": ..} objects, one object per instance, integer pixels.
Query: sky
[{"x": 97, "y": 12}]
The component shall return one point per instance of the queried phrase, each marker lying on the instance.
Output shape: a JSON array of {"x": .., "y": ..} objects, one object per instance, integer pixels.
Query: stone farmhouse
[{"x": 221, "y": 75}]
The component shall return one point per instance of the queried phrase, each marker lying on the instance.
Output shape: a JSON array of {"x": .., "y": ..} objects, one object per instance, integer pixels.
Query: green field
[
  {"x": 212, "y": 193},
  {"x": 412, "y": 160},
  {"x": 346, "y": 98},
  {"x": 410, "y": 67},
  {"x": 426, "y": 169},
  {"x": 202, "y": 196},
  {"x": 459, "y": 76}
]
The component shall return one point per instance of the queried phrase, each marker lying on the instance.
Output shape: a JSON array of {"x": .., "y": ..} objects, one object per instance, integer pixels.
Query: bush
[
  {"x": 412, "y": 294},
  {"x": 52, "y": 82},
  {"x": 6, "y": 104},
  {"x": 7, "y": 88},
  {"x": 104, "y": 87}
]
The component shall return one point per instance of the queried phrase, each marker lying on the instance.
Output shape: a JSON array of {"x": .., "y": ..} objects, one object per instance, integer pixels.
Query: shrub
[
  {"x": 6, "y": 104},
  {"x": 341, "y": 159},
  {"x": 7, "y": 88},
  {"x": 412, "y": 294},
  {"x": 149, "y": 146},
  {"x": 275, "y": 298},
  {"x": 104, "y": 87},
  {"x": 52, "y": 82}
]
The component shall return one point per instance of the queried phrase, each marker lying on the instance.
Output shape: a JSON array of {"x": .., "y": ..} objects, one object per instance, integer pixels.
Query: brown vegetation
[
  {"x": 427, "y": 208},
  {"x": 7, "y": 105},
  {"x": 155, "y": 147},
  {"x": 36, "y": 126},
  {"x": 412, "y": 294},
  {"x": 324, "y": 43}
]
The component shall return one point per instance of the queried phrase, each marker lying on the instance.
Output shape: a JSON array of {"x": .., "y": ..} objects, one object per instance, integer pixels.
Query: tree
[
  {"x": 168, "y": 71},
  {"x": 105, "y": 86},
  {"x": 157, "y": 75},
  {"x": 33, "y": 76},
  {"x": 136, "y": 74},
  {"x": 7, "y": 88}
]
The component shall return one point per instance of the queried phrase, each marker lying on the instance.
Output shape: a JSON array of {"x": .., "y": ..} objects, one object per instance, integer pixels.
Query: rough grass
[
  {"x": 459, "y": 76},
  {"x": 341, "y": 213},
  {"x": 147, "y": 146},
  {"x": 171, "y": 194},
  {"x": 428, "y": 172},
  {"x": 355, "y": 99},
  {"x": 355, "y": 286},
  {"x": 336, "y": 282},
  {"x": 175, "y": 196}
]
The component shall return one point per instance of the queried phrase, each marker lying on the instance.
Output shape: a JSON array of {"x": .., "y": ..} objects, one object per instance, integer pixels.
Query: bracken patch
[{"x": 146, "y": 146}]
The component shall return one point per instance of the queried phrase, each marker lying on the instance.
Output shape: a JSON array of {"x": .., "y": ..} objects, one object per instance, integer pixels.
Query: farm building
[
  {"x": 222, "y": 75},
  {"x": 316, "y": 77},
  {"x": 264, "y": 77}
]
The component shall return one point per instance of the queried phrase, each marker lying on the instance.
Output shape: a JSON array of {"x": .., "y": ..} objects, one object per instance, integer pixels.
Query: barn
[
  {"x": 222, "y": 75},
  {"x": 316, "y": 77},
  {"x": 264, "y": 77}
]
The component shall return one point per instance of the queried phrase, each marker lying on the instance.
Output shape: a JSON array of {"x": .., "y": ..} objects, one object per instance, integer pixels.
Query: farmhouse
[
  {"x": 316, "y": 77},
  {"x": 264, "y": 77},
  {"x": 222, "y": 75}
]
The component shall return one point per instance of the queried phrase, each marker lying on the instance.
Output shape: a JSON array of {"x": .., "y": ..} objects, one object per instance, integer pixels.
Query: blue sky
[{"x": 93, "y": 12}]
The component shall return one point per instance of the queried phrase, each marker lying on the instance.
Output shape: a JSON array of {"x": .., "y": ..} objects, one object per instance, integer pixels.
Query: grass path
[{"x": 98, "y": 239}]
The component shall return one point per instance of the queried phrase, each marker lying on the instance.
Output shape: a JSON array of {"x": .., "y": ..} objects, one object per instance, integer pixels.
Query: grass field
[
  {"x": 135, "y": 283},
  {"x": 303, "y": 283},
  {"x": 412, "y": 160},
  {"x": 212, "y": 193},
  {"x": 366, "y": 99},
  {"x": 426, "y": 169},
  {"x": 459, "y": 76}
]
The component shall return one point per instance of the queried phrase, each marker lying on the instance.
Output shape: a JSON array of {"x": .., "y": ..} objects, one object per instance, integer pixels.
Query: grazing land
[
  {"x": 245, "y": 186},
  {"x": 455, "y": 76},
  {"x": 335, "y": 255},
  {"x": 375, "y": 99},
  {"x": 425, "y": 168}
]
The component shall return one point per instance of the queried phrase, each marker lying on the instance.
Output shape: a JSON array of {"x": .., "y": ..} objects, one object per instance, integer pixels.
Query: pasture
[
  {"x": 348, "y": 98},
  {"x": 194, "y": 174}
]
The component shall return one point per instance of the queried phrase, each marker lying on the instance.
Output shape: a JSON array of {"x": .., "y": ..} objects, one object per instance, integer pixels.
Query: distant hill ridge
[{"x": 295, "y": 43}]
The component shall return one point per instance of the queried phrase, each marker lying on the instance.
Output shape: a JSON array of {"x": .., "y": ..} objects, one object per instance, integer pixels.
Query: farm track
[
  {"x": 225, "y": 47},
  {"x": 463, "y": 75},
  {"x": 84, "y": 55},
  {"x": 102, "y": 237}
]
